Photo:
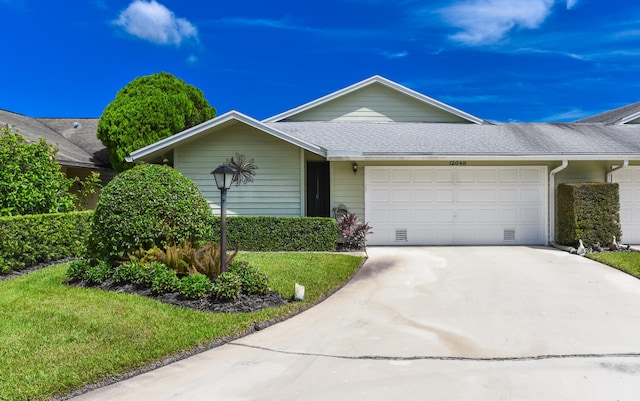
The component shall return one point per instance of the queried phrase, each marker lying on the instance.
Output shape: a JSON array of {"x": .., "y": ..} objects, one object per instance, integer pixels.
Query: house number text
[{"x": 457, "y": 163}]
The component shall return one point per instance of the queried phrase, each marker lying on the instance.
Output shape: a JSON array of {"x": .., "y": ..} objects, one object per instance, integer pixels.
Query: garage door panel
[
  {"x": 378, "y": 195},
  {"x": 444, "y": 176},
  {"x": 457, "y": 205},
  {"x": 378, "y": 175},
  {"x": 444, "y": 215},
  {"x": 508, "y": 195},
  {"x": 423, "y": 215},
  {"x": 400, "y": 175},
  {"x": 401, "y": 215},
  {"x": 401, "y": 195},
  {"x": 487, "y": 195},
  {"x": 444, "y": 195}
]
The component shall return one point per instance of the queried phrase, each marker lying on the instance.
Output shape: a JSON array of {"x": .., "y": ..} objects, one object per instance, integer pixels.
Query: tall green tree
[
  {"x": 31, "y": 181},
  {"x": 149, "y": 109}
]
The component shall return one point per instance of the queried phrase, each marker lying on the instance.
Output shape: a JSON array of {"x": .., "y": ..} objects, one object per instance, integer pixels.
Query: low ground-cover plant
[
  {"x": 194, "y": 286},
  {"x": 242, "y": 277}
]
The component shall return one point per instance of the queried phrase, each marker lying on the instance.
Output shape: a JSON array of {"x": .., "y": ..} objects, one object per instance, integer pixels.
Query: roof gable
[
  {"x": 214, "y": 125},
  {"x": 629, "y": 114},
  {"x": 376, "y": 99}
]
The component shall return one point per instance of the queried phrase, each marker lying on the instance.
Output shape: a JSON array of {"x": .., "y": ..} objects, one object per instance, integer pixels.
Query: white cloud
[
  {"x": 571, "y": 4},
  {"x": 154, "y": 22},
  {"x": 488, "y": 21}
]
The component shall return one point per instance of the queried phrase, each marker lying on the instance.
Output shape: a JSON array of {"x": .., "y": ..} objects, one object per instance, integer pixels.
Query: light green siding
[
  {"x": 276, "y": 189},
  {"x": 376, "y": 103},
  {"x": 347, "y": 188}
]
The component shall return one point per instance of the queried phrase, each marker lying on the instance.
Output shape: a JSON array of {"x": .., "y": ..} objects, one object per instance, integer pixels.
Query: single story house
[{"x": 421, "y": 172}]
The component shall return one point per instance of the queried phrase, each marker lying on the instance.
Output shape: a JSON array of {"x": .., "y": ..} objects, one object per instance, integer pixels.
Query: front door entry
[{"x": 318, "y": 189}]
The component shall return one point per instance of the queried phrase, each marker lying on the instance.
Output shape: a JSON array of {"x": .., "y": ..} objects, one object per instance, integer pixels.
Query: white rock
[{"x": 299, "y": 292}]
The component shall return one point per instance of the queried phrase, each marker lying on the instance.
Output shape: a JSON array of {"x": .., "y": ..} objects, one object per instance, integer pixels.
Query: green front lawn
[
  {"x": 56, "y": 338},
  {"x": 626, "y": 261}
]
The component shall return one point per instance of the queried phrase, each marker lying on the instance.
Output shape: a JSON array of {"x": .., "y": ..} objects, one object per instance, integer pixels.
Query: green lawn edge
[
  {"x": 56, "y": 341},
  {"x": 628, "y": 262}
]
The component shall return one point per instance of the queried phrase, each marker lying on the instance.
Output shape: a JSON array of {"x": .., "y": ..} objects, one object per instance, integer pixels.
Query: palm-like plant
[{"x": 243, "y": 170}]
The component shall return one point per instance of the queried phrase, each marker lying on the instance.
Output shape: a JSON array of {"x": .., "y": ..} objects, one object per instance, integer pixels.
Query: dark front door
[{"x": 318, "y": 189}]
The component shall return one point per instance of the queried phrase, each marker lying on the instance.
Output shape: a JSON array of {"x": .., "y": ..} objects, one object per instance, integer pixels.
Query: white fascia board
[
  {"x": 353, "y": 156},
  {"x": 170, "y": 142},
  {"x": 369, "y": 81},
  {"x": 629, "y": 118}
]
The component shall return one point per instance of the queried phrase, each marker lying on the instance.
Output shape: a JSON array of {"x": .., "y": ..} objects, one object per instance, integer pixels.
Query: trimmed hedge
[
  {"x": 31, "y": 239},
  {"x": 265, "y": 233},
  {"x": 588, "y": 211}
]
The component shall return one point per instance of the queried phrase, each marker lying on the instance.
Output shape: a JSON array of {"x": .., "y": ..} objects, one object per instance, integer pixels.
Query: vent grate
[
  {"x": 401, "y": 235},
  {"x": 509, "y": 234}
]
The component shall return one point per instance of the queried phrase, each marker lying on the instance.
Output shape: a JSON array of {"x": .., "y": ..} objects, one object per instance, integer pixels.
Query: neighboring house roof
[
  {"x": 376, "y": 79},
  {"x": 381, "y": 141},
  {"x": 77, "y": 146},
  {"x": 211, "y": 126},
  {"x": 621, "y": 115}
]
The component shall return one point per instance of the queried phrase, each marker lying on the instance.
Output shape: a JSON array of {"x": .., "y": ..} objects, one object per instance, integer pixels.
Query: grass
[
  {"x": 55, "y": 338},
  {"x": 628, "y": 262}
]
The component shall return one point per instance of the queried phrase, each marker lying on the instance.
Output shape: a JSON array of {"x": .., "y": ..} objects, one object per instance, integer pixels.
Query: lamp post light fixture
[{"x": 223, "y": 175}]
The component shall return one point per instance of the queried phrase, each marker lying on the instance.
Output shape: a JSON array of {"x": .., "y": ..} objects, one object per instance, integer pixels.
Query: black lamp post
[{"x": 224, "y": 176}]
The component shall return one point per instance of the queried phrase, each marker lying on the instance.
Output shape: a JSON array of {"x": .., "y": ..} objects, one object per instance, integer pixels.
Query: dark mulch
[
  {"x": 22, "y": 272},
  {"x": 244, "y": 303}
]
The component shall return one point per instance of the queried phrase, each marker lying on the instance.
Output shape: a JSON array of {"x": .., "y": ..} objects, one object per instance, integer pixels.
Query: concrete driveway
[{"x": 436, "y": 323}]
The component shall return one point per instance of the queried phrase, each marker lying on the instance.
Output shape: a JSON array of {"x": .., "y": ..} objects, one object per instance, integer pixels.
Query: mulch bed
[{"x": 244, "y": 303}]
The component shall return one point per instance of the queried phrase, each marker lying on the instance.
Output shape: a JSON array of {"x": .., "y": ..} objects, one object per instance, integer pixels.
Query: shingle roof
[
  {"x": 615, "y": 116},
  {"x": 78, "y": 147},
  {"x": 516, "y": 139}
]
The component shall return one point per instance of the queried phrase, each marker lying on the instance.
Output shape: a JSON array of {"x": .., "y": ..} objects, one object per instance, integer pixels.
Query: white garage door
[
  {"x": 456, "y": 205},
  {"x": 629, "y": 180}
]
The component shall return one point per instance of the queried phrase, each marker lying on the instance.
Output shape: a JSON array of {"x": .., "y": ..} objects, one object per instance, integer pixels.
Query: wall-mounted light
[{"x": 354, "y": 167}]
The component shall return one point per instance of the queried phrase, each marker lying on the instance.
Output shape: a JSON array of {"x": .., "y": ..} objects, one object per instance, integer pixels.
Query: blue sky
[{"x": 501, "y": 60}]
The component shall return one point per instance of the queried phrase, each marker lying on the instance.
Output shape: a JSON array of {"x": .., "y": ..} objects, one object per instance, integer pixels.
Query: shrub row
[
  {"x": 31, "y": 239},
  {"x": 265, "y": 233},
  {"x": 588, "y": 211}
]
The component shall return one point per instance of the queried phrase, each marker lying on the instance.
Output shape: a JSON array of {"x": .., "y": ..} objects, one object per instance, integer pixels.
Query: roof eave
[
  {"x": 172, "y": 141},
  {"x": 367, "y": 156}
]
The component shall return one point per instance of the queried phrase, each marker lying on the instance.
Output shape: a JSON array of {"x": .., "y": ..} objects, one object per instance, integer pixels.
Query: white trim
[
  {"x": 629, "y": 118},
  {"x": 303, "y": 184},
  {"x": 551, "y": 229},
  {"x": 625, "y": 163},
  {"x": 380, "y": 80},
  {"x": 172, "y": 141},
  {"x": 356, "y": 156}
]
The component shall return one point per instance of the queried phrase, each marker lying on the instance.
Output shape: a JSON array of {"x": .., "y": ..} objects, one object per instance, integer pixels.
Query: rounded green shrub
[
  {"x": 227, "y": 287},
  {"x": 253, "y": 282},
  {"x": 149, "y": 205},
  {"x": 194, "y": 286},
  {"x": 97, "y": 274},
  {"x": 164, "y": 280},
  {"x": 77, "y": 269}
]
